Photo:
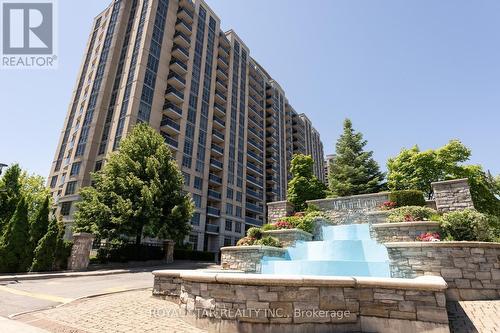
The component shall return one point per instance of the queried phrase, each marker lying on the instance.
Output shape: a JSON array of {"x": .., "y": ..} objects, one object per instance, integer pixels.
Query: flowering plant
[
  {"x": 299, "y": 214},
  {"x": 429, "y": 237},
  {"x": 283, "y": 225},
  {"x": 409, "y": 218},
  {"x": 388, "y": 205}
]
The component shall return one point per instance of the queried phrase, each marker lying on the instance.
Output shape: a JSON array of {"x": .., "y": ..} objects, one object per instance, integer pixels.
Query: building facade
[{"x": 227, "y": 122}]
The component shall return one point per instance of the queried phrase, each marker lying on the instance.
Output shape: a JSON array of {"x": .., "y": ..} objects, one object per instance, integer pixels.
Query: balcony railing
[
  {"x": 177, "y": 77},
  {"x": 213, "y": 211},
  {"x": 253, "y": 221},
  {"x": 218, "y": 149},
  {"x": 212, "y": 228},
  {"x": 219, "y": 121},
  {"x": 215, "y": 179},
  {"x": 255, "y": 156},
  {"x": 170, "y": 141},
  {"x": 220, "y": 108},
  {"x": 254, "y": 194},
  {"x": 254, "y": 180},
  {"x": 217, "y": 164},
  {"x": 177, "y": 93},
  {"x": 214, "y": 194},
  {"x": 172, "y": 108},
  {"x": 255, "y": 168},
  {"x": 171, "y": 123},
  {"x": 218, "y": 134},
  {"x": 180, "y": 49},
  {"x": 179, "y": 63},
  {"x": 254, "y": 208},
  {"x": 256, "y": 132}
]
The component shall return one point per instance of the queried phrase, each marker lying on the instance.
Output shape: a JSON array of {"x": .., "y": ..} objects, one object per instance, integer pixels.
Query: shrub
[
  {"x": 246, "y": 241},
  {"x": 120, "y": 252},
  {"x": 411, "y": 213},
  {"x": 467, "y": 225},
  {"x": 407, "y": 198},
  {"x": 254, "y": 232},
  {"x": 268, "y": 241},
  {"x": 267, "y": 227},
  {"x": 283, "y": 225}
]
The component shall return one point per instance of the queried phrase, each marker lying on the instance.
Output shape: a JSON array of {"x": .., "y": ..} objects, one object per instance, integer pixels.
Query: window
[
  {"x": 228, "y": 241},
  {"x": 53, "y": 182},
  {"x": 229, "y": 225},
  {"x": 193, "y": 240},
  {"x": 66, "y": 208},
  {"x": 196, "y": 219},
  {"x": 237, "y": 227},
  {"x": 198, "y": 183},
  {"x": 230, "y": 193},
  {"x": 63, "y": 179},
  {"x": 75, "y": 169},
  {"x": 229, "y": 209},
  {"x": 187, "y": 178},
  {"x": 197, "y": 200},
  {"x": 238, "y": 211},
  {"x": 70, "y": 188},
  {"x": 239, "y": 196},
  {"x": 98, "y": 166}
]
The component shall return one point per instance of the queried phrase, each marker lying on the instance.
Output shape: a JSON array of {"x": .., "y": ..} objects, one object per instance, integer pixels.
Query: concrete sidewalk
[{"x": 13, "y": 326}]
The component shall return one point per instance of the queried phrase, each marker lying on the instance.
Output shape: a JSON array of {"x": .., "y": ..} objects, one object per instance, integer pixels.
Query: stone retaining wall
[
  {"x": 378, "y": 216},
  {"x": 452, "y": 195},
  {"x": 230, "y": 302},
  {"x": 247, "y": 258},
  {"x": 288, "y": 237},
  {"x": 402, "y": 231},
  {"x": 471, "y": 269},
  {"x": 278, "y": 209},
  {"x": 353, "y": 209}
]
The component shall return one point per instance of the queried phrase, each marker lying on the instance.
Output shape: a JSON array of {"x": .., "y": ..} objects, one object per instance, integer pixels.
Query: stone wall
[
  {"x": 402, "y": 231},
  {"x": 247, "y": 258},
  {"x": 288, "y": 237},
  {"x": 229, "y": 302},
  {"x": 452, "y": 195},
  {"x": 353, "y": 209},
  {"x": 471, "y": 269},
  {"x": 378, "y": 216},
  {"x": 278, "y": 209},
  {"x": 80, "y": 252}
]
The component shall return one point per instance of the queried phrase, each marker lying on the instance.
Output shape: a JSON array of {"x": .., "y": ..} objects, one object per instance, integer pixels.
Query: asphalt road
[{"x": 32, "y": 295}]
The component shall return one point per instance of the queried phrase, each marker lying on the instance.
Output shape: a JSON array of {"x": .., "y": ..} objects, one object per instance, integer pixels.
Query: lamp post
[{"x": 1, "y": 167}]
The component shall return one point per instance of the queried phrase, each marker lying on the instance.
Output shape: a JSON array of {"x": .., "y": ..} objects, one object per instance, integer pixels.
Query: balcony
[
  {"x": 170, "y": 125},
  {"x": 219, "y": 108},
  {"x": 211, "y": 228},
  {"x": 182, "y": 39},
  {"x": 213, "y": 194},
  {"x": 219, "y": 121},
  {"x": 172, "y": 110},
  {"x": 213, "y": 211},
  {"x": 180, "y": 52},
  {"x": 214, "y": 179},
  {"x": 183, "y": 26},
  {"x": 220, "y": 97},
  {"x": 255, "y": 156},
  {"x": 254, "y": 194},
  {"x": 272, "y": 179},
  {"x": 178, "y": 66},
  {"x": 217, "y": 135},
  {"x": 254, "y": 208},
  {"x": 223, "y": 61},
  {"x": 217, "y": 149},
  {"x": 253, "y": 221},
  {"x": 254, "y": 181},
  {"x": 256, "y": 133},
  {"x": 254, "y": 122},
  {"x": 221, "y": 85},
  {"x": 173, "y": 143},
  {"x": 176, "y": 80},
  {"x": 216, "y": 164},
  {"x": 255, "y": 144},
  {"x": 222, "y": 73},
  {"x": 185, "y": 14},
  {"x": 174, "y": 95},
  {"x": 255, "y": 168}
]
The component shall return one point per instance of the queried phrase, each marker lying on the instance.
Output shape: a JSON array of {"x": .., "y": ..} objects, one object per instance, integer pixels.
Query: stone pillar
[
  {"x": 452, "y": 195},
  {"x": 80, "y": 252},
  {"x": 168, "y": 248},
  {"x": 278, "y": 209}
]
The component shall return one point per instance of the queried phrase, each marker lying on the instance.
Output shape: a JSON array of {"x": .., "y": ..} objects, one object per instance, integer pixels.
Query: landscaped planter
[
  {"x": 288, "y": 237},
  {"x": 471, "y": 269},
  {"x": 402, "y": 231},
  {"x": 378, "y": 216},
  {"x": 248, "y": 258},
  {"x": 228, "y": 302}
]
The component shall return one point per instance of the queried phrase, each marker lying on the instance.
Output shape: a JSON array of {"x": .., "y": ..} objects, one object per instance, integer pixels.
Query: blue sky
[{"x": 406, "y": 72}]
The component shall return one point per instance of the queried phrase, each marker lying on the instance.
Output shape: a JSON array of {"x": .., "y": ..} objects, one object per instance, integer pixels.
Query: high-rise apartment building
[{"x": 227, "y": 122}]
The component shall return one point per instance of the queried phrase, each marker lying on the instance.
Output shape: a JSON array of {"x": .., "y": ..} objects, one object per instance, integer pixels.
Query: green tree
[
  {"x": 13, "y": 250},
  {"x": 304, "y": 185},
  {"x": 38, "y": 227},
  {"x": 137, "y": 193},
  {"x": 353, "y": 170},
  {"x": 415, "y": 169},
  {"x": 45, "y": 252},
  {"x": 10, "y": 190},
  {"x": 35, "y": 192}
]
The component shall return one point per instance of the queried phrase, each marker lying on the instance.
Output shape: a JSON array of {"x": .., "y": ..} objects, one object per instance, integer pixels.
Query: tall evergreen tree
[
  {"x": 304, "y": 185},
  {"x": 45, "y": 253},
  {"x": 38, "y": 228},
  {"x": 10, "y": 189},
  {"x": 137, "y": 193},
  {"x": 353, "y": 170},
  {"x": 13, "y": 249}
]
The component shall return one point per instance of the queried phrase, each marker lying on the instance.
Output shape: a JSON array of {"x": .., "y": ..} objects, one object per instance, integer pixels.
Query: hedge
[{"x": 407, "y": 198}]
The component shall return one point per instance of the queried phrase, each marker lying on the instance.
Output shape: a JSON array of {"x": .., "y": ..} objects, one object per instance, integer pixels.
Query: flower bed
[
  {"x": 288, "y": 237},
  {"x": 247, "y": 258},
  {"x": 402, "y": 231}
]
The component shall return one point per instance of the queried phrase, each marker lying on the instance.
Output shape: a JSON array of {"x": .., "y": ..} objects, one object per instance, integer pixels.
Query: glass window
[
  {"x": 198, "y": 183},
  {"x": 53, "y": 182},
  {"x": 196, "y": 219},
  {"x": 66, "y": 208},
  {"x": 75, "y": 169},
  {"x": 70, "y": 188},
  {"x": 237, "y": 227},
  {"x": 229, "y": 225}
]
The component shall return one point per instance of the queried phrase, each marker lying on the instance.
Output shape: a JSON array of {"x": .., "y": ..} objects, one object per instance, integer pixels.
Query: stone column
[
  {"x": 452, "y": 195},
  {"x": 168, "y": 248},
  {"x": 80, "y": 252},
  {"x": 278, "y": 209}
]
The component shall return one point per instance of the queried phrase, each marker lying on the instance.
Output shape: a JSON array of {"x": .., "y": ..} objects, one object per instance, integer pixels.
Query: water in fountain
[{"x": 346, "y": 250}]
